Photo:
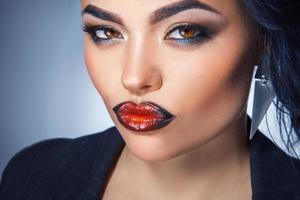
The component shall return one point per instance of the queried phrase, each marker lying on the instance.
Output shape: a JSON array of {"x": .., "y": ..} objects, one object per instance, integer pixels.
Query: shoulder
[
  {"x": 45, "y": 151},
  {"x": 41, "y": 161},
  {"x": 274, "y": 173},
  {"x": 270, "y": 156}
]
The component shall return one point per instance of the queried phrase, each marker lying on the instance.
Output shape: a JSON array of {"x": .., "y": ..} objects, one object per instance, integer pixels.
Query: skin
[{"x": 205, "y": 85}]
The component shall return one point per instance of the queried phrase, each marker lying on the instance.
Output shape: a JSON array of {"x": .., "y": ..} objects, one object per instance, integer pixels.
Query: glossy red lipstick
[{"x": 146, "y": 116}]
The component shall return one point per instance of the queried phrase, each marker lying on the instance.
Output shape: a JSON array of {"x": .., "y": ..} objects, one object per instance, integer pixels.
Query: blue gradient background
[{"x": 45, "y": 88}]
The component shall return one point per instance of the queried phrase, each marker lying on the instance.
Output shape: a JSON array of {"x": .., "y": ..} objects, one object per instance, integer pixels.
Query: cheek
[
  {"x": 102, "y": 67},
  {"x": 208, "y": 77},
  {"x": 210, "y": 85}
]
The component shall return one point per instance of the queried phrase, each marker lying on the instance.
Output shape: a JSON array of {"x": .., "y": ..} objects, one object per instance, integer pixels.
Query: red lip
[{"x": 142, "y": 117}]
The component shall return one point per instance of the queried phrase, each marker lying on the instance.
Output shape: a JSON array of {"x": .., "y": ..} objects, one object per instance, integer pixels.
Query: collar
[{"x": 274, "y": 174}]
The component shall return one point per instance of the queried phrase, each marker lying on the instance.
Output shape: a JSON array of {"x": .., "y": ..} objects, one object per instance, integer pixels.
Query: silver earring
[{"x": 263, "y": 94}]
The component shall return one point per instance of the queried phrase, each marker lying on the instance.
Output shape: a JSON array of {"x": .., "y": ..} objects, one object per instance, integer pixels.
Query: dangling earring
[{"x": 263, "y": 94}]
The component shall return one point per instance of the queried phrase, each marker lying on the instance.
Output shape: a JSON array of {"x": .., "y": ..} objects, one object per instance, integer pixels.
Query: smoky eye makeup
[
  {"x": 102, "y": 34},
  {"x": 182, "y": 34},
  {"x": 188, "y": 34}
]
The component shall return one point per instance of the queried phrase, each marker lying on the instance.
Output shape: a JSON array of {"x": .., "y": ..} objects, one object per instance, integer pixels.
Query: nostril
[
  {"x": 141, "y": 83},
  {"x": 142, "y": 90},
  {"x": 146, "y": 87}
]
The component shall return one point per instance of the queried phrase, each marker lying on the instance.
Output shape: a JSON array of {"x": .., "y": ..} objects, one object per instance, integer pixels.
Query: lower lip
[{"x": 143, "y": 123}]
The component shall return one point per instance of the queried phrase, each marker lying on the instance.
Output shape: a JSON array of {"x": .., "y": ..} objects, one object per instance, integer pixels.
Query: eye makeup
[
  {"x": 102, "y": 34},
  {"x": 183, "y": 34},
  {"x": 188, "y": 33}
]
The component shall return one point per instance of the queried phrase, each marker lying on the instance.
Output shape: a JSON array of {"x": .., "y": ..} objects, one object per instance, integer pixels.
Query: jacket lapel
[{"x": 274, "y": 174}]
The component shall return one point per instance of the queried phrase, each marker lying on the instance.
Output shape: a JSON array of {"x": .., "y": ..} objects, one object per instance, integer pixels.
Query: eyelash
[
  {"x": 92, "y": 31},
  {"x": 200, "y": 34}
]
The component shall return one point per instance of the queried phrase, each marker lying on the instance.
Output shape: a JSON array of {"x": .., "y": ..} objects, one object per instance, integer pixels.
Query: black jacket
[{"x": 77, "y": 169}]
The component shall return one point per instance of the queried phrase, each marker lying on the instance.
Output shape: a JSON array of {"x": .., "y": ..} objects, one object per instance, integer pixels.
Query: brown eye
[
  {"x": 107, "y": 33},
  {"x": 188, "y": 32},
  {"x": 110, "y": 33},
  {"x": 102, "y": 34}
]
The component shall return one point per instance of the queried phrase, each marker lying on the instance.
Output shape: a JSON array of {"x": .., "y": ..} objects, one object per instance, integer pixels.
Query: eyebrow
[
  {"x": 102, "y": 14},
  {"x": 156, "y": 16},
  {"x": 174, "y": 8}
]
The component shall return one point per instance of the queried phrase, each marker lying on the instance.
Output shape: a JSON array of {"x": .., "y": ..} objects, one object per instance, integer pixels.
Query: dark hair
[{"x": 280, "y": 25}]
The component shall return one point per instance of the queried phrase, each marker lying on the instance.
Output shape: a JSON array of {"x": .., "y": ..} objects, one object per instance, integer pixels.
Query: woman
[{"x": 175, "y": 78}]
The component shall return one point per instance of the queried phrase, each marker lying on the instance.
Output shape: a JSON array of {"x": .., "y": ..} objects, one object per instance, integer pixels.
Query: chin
[
  {"x": 153, "y": 156},
  {"x": 155, "y": 147},
  {"x": 152, "y": 151}
]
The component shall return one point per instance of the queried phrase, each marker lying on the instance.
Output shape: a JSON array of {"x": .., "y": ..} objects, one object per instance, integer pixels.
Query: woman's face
[{"x": 193, "y": 59}]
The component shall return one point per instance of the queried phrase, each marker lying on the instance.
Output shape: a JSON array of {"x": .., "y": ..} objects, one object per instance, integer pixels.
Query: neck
[{"x": 224, "y": 159}]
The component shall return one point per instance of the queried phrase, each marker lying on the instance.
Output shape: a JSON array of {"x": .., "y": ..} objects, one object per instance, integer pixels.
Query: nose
[{"x": 140, "y": 74}]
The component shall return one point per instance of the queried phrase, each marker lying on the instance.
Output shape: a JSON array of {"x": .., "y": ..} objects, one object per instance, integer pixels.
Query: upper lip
[{"x": 146, "y": 107}]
